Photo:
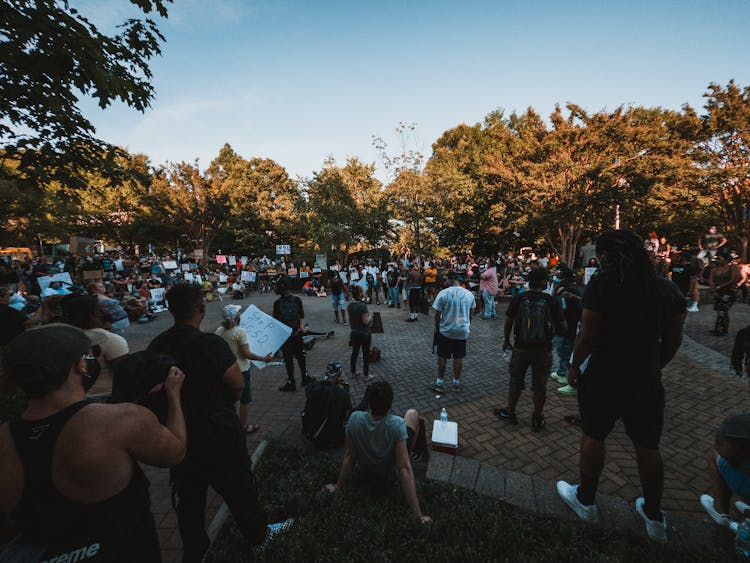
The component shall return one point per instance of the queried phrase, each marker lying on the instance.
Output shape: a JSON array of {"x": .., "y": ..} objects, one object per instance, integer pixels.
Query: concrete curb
[
  {"x": 221, "y": 515},
  {"x": 540, "y": 495}
]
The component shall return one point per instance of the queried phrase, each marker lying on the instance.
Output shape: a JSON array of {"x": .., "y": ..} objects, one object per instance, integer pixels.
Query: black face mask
[{"x": 93, "y": 369}]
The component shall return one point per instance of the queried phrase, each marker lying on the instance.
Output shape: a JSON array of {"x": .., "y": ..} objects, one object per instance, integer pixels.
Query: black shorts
[
  {"x": 450, "y": 347},
  {"x": 639, "y": 402}
]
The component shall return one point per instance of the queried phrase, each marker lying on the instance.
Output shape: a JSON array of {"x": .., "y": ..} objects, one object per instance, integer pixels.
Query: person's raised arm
[
  {"x": 247, "y": 354},
  {"x": 406, "y": 475},
  {"x": 148, "y": 441}
]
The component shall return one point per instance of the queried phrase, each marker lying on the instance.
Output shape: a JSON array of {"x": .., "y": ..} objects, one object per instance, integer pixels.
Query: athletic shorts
[
  {"x": 338, "y": 301},
  {"x": 450, "y": 347},
  {"x": 247, "y": 392},
  {"x": 540, "y": 362},
  {"x": 639, "y": 402},
  {"x": 736, "y": 480}
]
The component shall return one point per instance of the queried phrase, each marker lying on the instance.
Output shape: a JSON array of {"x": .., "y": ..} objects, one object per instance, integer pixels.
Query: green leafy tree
[
  {"x": 50, "y": 55},
  {"x": 724, "y": 154},
  {"x": 190, "y": 203}
]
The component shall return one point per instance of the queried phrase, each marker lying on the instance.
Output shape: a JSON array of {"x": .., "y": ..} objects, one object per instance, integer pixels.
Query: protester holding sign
[
  {"x": 236, "y": 337},
  {"x": 288, "y": 309}
]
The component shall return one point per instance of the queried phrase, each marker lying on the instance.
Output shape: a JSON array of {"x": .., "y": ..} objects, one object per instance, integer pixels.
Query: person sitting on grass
[
  {"x": 729, "y": 466},
  {"x": 382, "y": 443}
]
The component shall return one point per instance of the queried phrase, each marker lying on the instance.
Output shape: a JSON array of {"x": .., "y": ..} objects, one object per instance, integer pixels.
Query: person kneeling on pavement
[
  {"x": 381, "y": 444},
  {"x": 729, "y": 465},
  {"x": 327, "y": 409}
]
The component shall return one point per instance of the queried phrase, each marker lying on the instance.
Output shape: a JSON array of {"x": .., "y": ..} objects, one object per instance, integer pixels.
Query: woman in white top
[{"x": 236, "y": 337}]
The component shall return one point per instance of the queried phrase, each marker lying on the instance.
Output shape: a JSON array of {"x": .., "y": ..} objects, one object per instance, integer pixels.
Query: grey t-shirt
[{"x": 375, "y": 441}]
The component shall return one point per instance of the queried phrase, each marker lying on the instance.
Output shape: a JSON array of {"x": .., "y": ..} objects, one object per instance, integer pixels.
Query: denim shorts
[
  {"x": 247, "y": 392},
  {"x": 338, "y": 301},
  {"x": 735, "y": 479}
]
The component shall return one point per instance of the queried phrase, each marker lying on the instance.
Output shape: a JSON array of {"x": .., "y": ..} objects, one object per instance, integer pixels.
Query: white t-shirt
[
  {"x": 455, "y": 305},
  {"x": 236, "y": 337}
]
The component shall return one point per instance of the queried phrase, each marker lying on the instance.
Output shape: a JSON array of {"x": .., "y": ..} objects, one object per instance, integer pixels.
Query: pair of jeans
[
  {"x": 489, "y": 305},
  {"x": 361, "y": 340},
  {"x": 393, "y": 296},
  {"x": 217, "y": 457},
  {"x": 563, "y": 348}
]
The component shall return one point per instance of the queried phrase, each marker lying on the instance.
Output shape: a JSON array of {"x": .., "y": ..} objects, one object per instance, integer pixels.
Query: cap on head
[
  {"x": 39, "y": 360},
  {"x": 333, "y": 369},
  {"x": 229, "y": 312}
]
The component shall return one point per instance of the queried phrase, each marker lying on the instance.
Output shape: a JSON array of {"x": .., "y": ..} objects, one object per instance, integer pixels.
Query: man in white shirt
[{"x": 453, "y": 307}]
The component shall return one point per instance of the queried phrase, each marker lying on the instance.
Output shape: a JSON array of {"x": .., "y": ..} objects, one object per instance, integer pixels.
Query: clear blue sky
[{"x": 298, "y": 80}]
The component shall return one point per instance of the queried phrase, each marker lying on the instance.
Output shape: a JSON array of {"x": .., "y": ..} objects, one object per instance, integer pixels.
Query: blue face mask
[{"x": 556, "y": 279}]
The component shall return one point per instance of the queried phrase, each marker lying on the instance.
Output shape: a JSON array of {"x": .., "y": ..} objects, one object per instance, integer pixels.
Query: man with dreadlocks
[{"x": 631, "y": 328}]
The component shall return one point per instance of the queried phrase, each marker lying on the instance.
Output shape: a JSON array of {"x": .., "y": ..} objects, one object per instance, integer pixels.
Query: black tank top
[{"x": 120, "y": 528}]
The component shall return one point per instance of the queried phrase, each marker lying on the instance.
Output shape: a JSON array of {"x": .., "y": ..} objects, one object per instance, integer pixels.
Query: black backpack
[
  {"x": 134, "y": 377},
  {"x": 534, "y": 322},
  {"x": 318, "y": 425},
  {"x": 289, "y": 312}
]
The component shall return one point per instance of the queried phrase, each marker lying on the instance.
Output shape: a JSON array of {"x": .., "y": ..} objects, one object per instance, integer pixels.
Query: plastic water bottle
[
  {"x": 742, "y": 539},
  {"x": 443, "y": 416}
]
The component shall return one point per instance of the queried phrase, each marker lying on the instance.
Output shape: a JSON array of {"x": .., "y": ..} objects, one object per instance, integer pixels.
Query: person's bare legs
[
  {"x": 244, "y": 414},
  {"x": 441, "y": 367},
  {"x": 592, "y": 463},
  {"x": 458, "y": 365},
  {"x": 721, "y": 493},
  {"x": 651, "y": 472},
  {"x": 343, "y": 315}
]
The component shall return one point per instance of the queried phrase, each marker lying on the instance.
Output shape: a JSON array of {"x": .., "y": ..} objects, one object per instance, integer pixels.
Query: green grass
[{"x": 374, "y": 526}]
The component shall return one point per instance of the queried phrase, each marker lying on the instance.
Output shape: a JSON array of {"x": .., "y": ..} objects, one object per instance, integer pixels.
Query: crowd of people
[{"x": 71, "y": 458}]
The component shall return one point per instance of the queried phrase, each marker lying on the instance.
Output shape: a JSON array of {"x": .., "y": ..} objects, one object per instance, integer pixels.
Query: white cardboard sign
[
  {"x": 266, "y": 334},
  {"x": 64, "y": 277}
]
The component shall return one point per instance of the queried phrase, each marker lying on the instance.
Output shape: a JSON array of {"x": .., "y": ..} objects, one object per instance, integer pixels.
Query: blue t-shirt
[{"x": 375, "y": 441}]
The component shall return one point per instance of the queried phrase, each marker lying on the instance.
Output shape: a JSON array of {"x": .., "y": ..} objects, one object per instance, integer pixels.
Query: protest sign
[
  {"x": 321, "y": 260},
  {"x": 283, "y": 249},
  {"x": 265, "y": 334},
  {"x": 248, "y": 277},
  {"x": 243, "y": 259},
  {"x": 169, "y": 265},
  {"x": 63, "y": 277},
  {"x": 185, "y": 267},
  {"x": 587, "y": 274},
  {"x": 221, "y": 259},
  {"x": 304, "y": 274},
  {"x": 342, "y": 275},
  {"x": 232, "y": 260},
  {"x": 354, "y": 275},
  {"x": 223, "y": 278},
  {"x": 157, "y": 294},
  {"x": 189, "y": 277}
]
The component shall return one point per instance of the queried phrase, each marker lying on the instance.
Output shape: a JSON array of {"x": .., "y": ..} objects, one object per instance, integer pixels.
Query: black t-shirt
[
  {"x": 337, "y": 285},
  {"x": 284, "y": 305},
  {"x": 632, "y": 324},
  {"x": 11, "y": 323},
  {"x": 556, "y": 314},
  {"x": 336, "y": 403},
  {"x": 682, "y": 274},
  {"x": 204, "y": 358},
  {"x": 356, "y": 309}
]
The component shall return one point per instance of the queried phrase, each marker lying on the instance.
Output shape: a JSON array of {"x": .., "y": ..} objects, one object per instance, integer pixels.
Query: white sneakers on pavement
[
  {"x": 568, "y": 493},
  {"x": 656, "y": 530}
]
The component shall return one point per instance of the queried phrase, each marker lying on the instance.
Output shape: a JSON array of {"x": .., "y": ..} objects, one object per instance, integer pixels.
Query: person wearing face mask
[{"x": 69, "y": 469}]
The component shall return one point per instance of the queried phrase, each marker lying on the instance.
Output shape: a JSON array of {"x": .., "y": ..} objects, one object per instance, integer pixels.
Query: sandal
[{"x": 250, "y": 428}]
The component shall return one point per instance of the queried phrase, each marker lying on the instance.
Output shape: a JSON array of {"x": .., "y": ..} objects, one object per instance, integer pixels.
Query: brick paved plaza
[{"x": 699, "y": 393}]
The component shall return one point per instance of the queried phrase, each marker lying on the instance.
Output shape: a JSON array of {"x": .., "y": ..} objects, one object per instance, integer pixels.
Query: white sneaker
[
  {"x": 742, "y": 507},
  {"x": 568, "y": 492},
  {"x": 693, "y": 309},
  {"x": 707, "y": 502},
  {"x": 657, "y": 531}
]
